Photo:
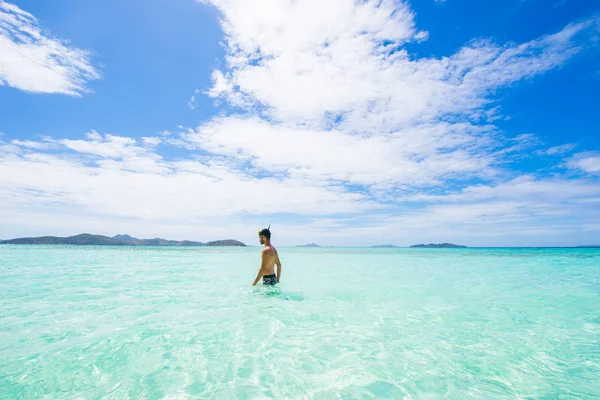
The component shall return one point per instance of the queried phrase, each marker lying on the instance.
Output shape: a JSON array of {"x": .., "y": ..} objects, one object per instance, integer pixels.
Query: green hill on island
[
  {"x": 83, "y": 239},
  {"x": 87, "y": 239},
  {"x": 438, "y": 246},
  {"x": 229, "y": 242}
]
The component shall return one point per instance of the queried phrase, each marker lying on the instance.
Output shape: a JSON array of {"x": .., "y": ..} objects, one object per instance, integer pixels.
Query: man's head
[{"x": 264, "y": 234}]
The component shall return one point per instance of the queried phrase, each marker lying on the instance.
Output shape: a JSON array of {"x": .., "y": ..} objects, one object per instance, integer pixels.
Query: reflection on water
[{"x": 279, "y": 293}]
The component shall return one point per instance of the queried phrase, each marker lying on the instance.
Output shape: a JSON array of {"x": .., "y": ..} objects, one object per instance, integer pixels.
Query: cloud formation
[
  {"x": 348, "y": 67},
  {"x": 119, "y": 176},
  {"x": 331, "y": 127},
  {"x": 113, "y": 182},
  {"x": 34, "y": 61},
  {"x": 421, "y": 155},
  {"x": 588, "y": 162},
  {"x": 338, "y": 97}
]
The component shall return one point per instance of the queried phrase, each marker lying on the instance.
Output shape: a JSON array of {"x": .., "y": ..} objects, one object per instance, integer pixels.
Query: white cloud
[
  {"x": 524, "y": 187},
  {"x": 558, "y": 150},
  {"x": 418, "y": 156},
  {"x": 108, "y": 146},
  {"x": 127, "y": 180},
  {"x": 32, "y": 144},
  {"x": 349, "y": 62},
  {"x": 152, "y": 141},
  {"x": 192, "y": 101},
  {"x": 134, "y": 189},
  {"x": 298, "y": 57},
  {"x": 588, "y": 162},
  {"x": 33, "y": 60},
  {"x": 422, "y": 36},
  {"x": 524, "y": 211}
]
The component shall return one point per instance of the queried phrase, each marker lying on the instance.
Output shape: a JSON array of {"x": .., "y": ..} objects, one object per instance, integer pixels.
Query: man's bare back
[{"x": 269, "y": 258}]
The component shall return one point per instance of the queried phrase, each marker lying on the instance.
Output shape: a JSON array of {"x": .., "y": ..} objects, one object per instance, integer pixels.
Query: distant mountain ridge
[
  {"x": 87, "y": 239},
  {"x": 126, "y": 238},
  {"x": 228, "y": 242},
  {"x": 439, "y": 246},
  {"x": 385, "y": 246},
  {"x": 309, "y": 245},
  {"x": 83, "y": 239}
]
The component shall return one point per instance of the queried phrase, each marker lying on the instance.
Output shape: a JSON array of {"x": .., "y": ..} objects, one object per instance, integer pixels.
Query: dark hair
[{"x": 266, "y": 233}]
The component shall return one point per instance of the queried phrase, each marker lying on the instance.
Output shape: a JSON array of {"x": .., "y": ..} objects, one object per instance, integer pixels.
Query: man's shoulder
[{"x": 267, "y": 250}]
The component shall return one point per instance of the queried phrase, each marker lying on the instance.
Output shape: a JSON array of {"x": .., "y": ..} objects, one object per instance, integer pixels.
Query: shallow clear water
[{"x": 124, "y": 322}]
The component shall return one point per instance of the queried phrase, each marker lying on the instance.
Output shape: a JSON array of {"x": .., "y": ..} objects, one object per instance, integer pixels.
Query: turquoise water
[{"x": 179, "y": 323}]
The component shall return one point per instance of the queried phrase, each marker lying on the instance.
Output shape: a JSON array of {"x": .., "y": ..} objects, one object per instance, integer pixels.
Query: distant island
[
  {"x": 221, "y": 243},
  {"x": 309, "y": 245},
  {"x": 87, "y": 239},
  {"x": 438, "y": 246},
  {"x": 385, "y": 246}
]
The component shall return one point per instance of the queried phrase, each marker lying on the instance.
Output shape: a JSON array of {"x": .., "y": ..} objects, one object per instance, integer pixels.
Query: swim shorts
[{"x": 270, "y": 279}]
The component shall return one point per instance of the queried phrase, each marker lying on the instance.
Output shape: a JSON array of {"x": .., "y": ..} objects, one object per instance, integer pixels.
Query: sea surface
[{"x": 345, "y": 323}]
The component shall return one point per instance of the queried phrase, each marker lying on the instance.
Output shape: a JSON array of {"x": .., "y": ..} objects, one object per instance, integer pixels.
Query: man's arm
[
  {"x": 263, "y": 262},
  {"x": 278, "y": 268}
]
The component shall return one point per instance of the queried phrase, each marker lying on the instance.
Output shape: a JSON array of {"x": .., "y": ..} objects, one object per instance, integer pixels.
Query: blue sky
[{"x": 345, "y": 123}]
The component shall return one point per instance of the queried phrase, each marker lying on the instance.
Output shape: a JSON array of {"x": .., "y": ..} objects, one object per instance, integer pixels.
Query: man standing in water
[{"x": 268, "y": 260}]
